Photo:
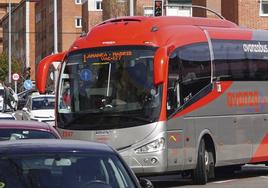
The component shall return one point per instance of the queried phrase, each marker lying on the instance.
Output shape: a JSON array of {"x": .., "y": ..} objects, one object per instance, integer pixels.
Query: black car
[{"x": 64, "y": 164}]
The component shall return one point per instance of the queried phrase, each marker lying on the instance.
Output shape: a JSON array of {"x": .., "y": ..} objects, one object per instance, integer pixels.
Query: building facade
[
  {"x": 3, "y": 11},
  {"x": 22, "y": 34},
  {"x": 95, "y": 11},
  {"x": 69, "y": 24},
  {"x": 214, "y": 5},
  {"x": 91, "y": 14},
  {"x": 247, "y": 13}
]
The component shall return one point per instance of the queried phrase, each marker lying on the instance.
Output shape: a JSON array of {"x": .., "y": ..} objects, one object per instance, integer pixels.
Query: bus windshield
[{"x": 108, "y": 88}]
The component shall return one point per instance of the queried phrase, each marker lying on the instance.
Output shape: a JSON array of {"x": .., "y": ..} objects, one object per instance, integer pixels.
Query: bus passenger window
[
  {"x": 189, "y": 73},
  {"x": 195, "y": 69},
  {"x": 233, "y": 63}
]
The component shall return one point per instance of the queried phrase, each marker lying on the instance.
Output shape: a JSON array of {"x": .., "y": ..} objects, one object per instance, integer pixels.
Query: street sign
[
  {"x": 28, "y": 84},
  {"x": 15, "y": 76},
  {"x": 86, "y": 75}
]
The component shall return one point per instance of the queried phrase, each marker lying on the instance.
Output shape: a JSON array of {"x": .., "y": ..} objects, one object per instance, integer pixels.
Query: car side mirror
[
  {"x": 145, "y": 183},
  {"x": 24, "y": 109}
]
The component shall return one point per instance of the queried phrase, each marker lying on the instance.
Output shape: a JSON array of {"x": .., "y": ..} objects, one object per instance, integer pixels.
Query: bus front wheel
[{"x": 205, "y": 165}]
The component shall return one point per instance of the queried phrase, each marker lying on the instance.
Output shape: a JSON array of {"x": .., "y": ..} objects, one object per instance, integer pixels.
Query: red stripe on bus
[
  {"x": 213, "y": 95},
  {"x": 261, "y": 153}
]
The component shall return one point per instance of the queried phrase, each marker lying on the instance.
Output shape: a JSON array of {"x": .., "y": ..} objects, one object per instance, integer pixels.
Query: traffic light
[{"x": 158, "y": 7}]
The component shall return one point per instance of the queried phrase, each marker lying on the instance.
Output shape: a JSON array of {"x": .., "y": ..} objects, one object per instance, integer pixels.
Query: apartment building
[
  {"x": 95, "y": 11},
  {"x": 69, "y": 23},
  {"x": 246, "y": 13},
  {"x": 182, "y": 10},
  {"x": 32, "y": 29},
  {"x": 214, "y": 5},
  {"x": 3, "y": 10},
  {"x": 91, "y": 14},
  {"x": 22, "y": 33}
]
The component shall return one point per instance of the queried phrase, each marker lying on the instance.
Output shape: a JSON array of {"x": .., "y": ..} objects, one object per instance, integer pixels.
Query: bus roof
[{"x": 140, "y": 30}]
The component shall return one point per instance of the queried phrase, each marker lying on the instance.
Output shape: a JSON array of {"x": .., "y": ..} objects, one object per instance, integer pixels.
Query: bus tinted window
[
  {"x": 195, "y": 69},
  {"x": 240, "y": 60},
  {"x": 195, "y": 60},
  {"x": 189, "y": 73}
]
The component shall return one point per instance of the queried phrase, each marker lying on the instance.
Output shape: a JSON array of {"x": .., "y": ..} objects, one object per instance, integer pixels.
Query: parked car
[
  {"x": 14, "y": 130},
  {"x": 15, "y": 96},
  {"x": 23, "y": 97},
  {"x": 7, "y": 116},
  {"x": 64, "y": 164},
  {"x": 40, "y": 108}
]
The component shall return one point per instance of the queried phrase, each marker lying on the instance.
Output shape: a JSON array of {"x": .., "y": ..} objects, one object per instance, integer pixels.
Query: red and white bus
[{"x": 171, "y": 94}]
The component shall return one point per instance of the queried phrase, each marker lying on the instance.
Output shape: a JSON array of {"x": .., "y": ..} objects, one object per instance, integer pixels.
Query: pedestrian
[{"x": 8, "y": 97}]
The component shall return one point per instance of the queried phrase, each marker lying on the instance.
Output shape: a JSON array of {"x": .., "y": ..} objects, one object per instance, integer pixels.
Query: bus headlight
[{"x": 153, "y": 146}]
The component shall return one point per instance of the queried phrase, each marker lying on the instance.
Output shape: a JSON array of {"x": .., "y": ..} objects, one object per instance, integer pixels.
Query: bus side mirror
[
  {"x": 160, "y": 61},
  {"x": 42, "y": 70}
]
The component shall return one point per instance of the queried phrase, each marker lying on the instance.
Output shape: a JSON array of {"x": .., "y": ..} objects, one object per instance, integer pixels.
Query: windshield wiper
[{"x": 128, "y": 117}]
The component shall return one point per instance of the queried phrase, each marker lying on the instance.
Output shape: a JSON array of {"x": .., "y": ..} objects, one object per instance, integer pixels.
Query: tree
[
  {"x": 16, "y": 66},
  {"x": 115, "y": 8}
]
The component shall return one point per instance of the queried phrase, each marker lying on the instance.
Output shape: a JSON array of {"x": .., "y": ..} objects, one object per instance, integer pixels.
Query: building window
[
  {"x": 98, "y": 4},
  {"x": 78, "y": 2},
  {"x": 78, "y": 22},
  {"x": 148, "y": 11},
  {"x": 263, "y": 7},
  {"x": 95, "y": 5}
]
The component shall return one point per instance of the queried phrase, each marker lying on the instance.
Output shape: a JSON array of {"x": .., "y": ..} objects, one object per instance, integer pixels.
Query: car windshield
[
  {"x": 41, "y": 103},
  {"x": 16, "y": 134},
  {"x": 63, "y": 171},
  {"x": 106, "y": 85}
]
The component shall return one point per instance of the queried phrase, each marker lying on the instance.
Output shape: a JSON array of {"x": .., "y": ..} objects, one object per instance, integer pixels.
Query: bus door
[{"x": 189, "y": 80}]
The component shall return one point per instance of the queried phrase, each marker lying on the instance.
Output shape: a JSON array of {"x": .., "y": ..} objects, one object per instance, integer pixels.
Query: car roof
[
  {"x": 5, "y": 115},
  {"x": 45, "y": 95},
  {"x": 37, "y": 146},
  {"x": 24, "y": 125}
]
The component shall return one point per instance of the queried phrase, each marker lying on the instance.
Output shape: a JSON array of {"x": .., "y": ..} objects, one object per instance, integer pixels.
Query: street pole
[
  {"x": 55, "y": 28},
  {"x": 56, "y": 72},
  {"x": 131, "y": 7},
  {"x": 9, "y": 42}
]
